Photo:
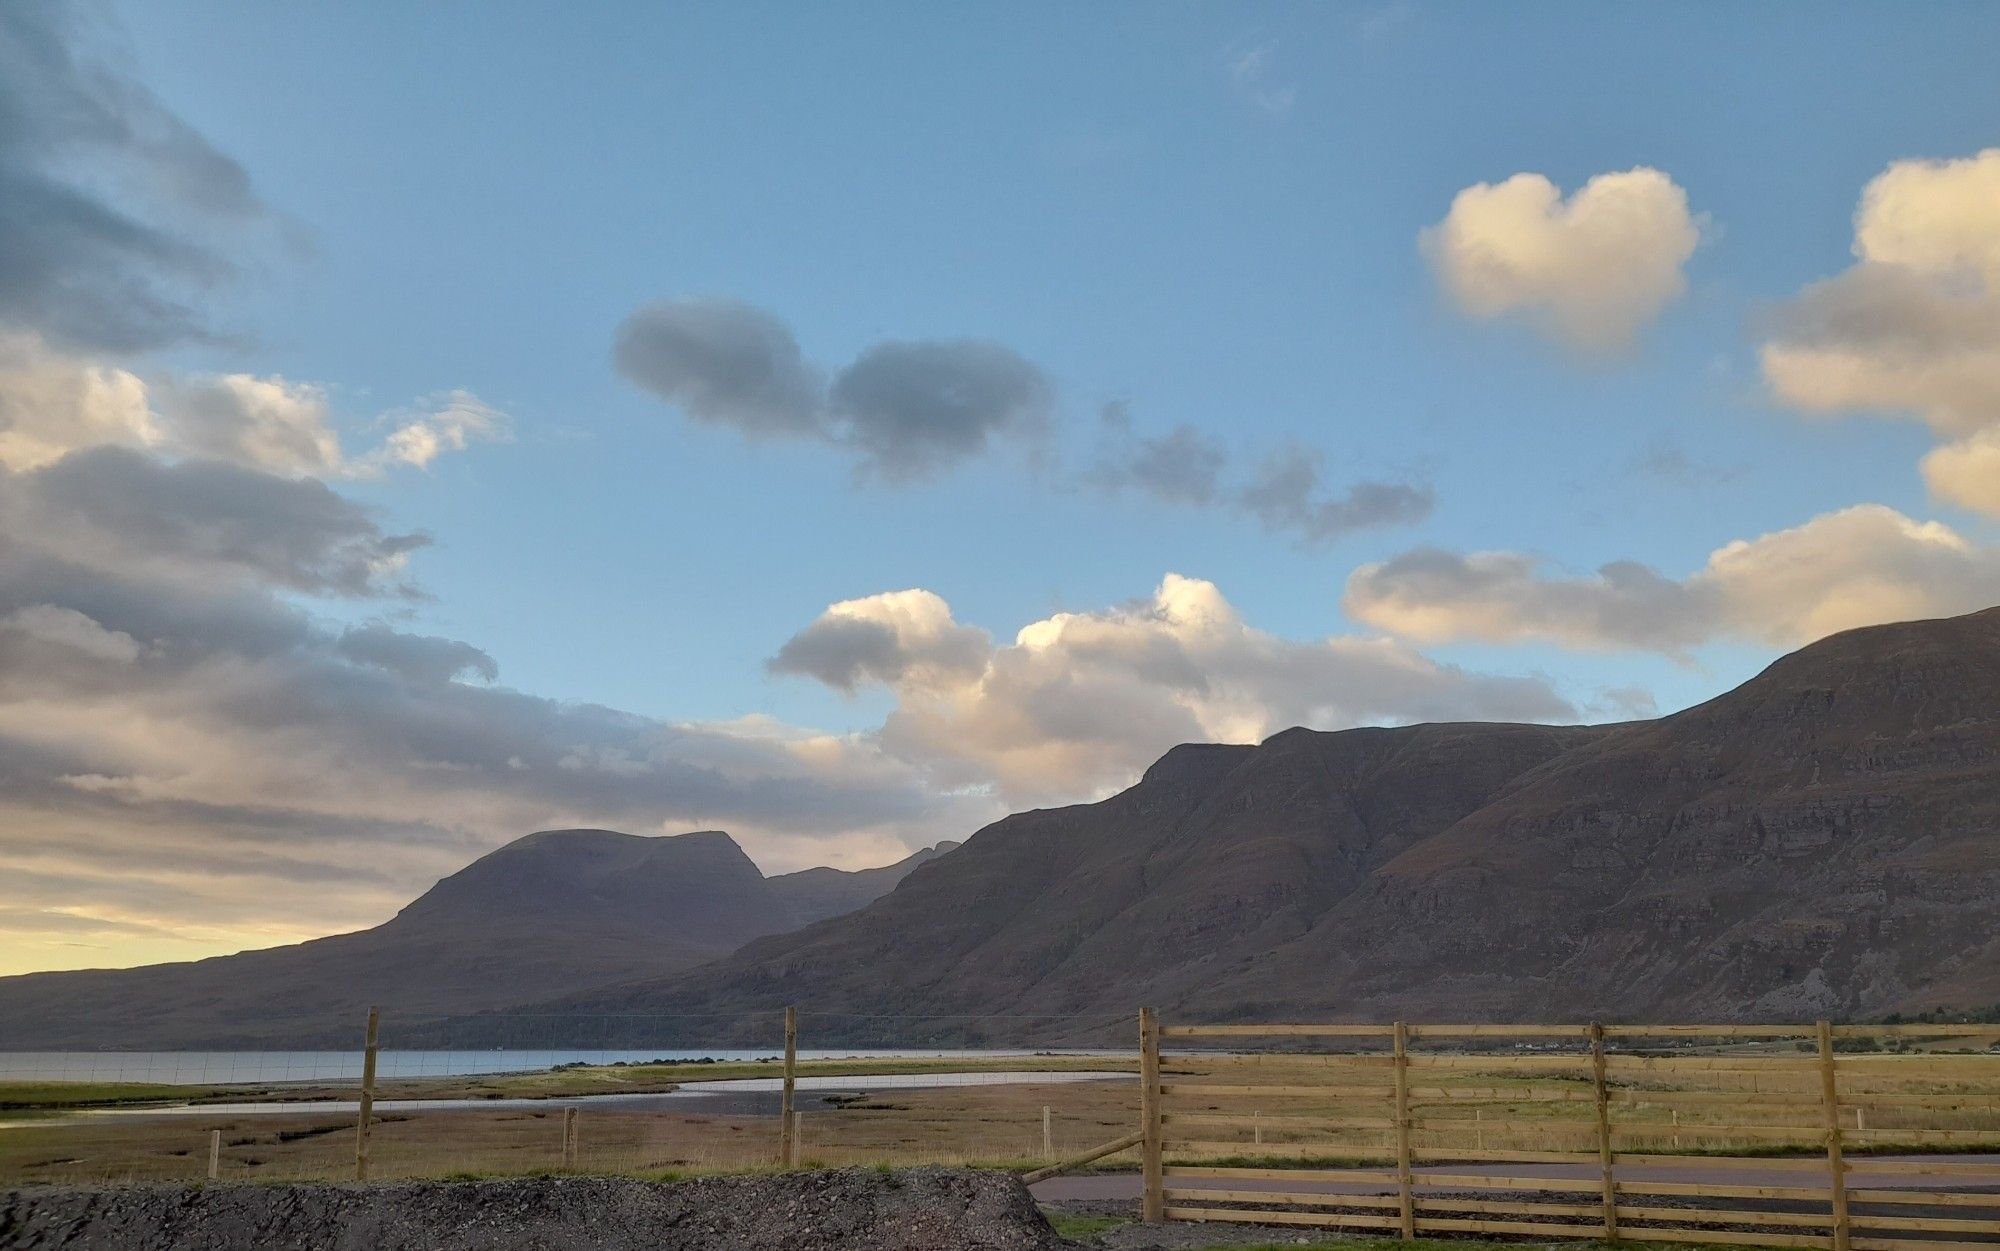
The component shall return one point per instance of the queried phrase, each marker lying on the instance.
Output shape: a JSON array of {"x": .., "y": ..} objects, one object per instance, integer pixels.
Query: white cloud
[
  {"x": 1859, "y": 566},
  {"x": 1591, "y": 271},
  {"x": 1967, "y": 472},
  {"x": 896, "y": 637},
  {"x": 52, "y": 403},
  {"x": 1913, "y": 327},
  {"x": 264, "y": 423},
  {"x": 1079, "y": 703},
  {"x": 1934, "y": 216},
  {"x": 449, "y": 423}
]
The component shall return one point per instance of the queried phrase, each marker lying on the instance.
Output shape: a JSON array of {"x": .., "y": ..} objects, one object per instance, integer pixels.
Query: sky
[{"x": 845, "y": 424}]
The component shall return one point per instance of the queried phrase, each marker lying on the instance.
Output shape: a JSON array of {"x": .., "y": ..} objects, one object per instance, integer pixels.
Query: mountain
[
  {"x": 811, "y": 895},
  {"x": 554, "y": 912},
  {"x": 1823, "y": 840}
]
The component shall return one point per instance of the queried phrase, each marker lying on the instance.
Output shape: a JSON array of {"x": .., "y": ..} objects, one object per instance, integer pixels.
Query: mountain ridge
[
  {"x": 551, "y": 912},
  {"x": 1818, "y": 841}
]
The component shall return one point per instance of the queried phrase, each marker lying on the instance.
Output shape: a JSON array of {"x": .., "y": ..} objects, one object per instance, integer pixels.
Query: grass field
[
  {"x": 568, "y": 1082},
  {"x": 18, "y": 1095},
  {"x": 1472, "y": 1104}
]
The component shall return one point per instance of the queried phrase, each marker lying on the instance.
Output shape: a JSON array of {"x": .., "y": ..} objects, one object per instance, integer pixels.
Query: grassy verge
[
  {"x": 15, "y": 1096},
  {"x": 569, "y": 1082},
  {"x": 1075, "y": 1226},
  {"x": 1455, "y": 1244}
]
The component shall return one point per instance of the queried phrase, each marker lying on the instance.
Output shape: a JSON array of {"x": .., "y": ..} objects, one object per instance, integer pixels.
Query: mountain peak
[{"x": 625, "y": 879}]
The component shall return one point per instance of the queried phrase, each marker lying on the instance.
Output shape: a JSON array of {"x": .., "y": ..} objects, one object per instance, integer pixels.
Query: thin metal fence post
[
  {"x": 363, "y": 1124},
  {"x": 1154, "y": 1206},
  {"x": 1048, "y": 1135},
  {"x": 1829, "y": 1085}
]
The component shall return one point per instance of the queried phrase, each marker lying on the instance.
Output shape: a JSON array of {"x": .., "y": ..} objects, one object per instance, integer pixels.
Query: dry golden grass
[{"x": 1740, "y": 1105}]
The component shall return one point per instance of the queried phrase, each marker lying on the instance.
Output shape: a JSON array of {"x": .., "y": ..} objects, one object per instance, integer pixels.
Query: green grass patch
[
  {"x": 1456, "y": 1244},
  {"x": 1078, "y": 1226},
  {"x": 18, "y": 1095}
]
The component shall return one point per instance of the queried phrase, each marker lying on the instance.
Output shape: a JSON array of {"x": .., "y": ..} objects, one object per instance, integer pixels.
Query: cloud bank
[
  {"x": 113, "y": 211},
  {"x": 1859, "y": 566},
  {"x": 192, "y": 760},
  {"x": 1079, "y": 703},
  {"x": 53, "y": 403}
]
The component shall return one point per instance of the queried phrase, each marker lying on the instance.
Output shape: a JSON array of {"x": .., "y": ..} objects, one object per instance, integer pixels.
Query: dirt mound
[{"x": 930, "y": 1209}]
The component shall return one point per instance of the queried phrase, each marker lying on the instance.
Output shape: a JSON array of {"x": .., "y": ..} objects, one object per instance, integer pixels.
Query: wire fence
[
  {"x": 510, "y": 1094},
  {"x": 1417, "y": 1129}
]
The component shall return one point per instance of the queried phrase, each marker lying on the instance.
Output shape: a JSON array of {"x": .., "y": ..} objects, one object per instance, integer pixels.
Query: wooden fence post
[
  {"x": 1154, "y": 1206},
  {"x": 1604, "y": 1156},
  {"x": 1048, "y": 1136},
  {"x": 788, "y": 1127},
  {"x": 214, "y": 1154},
  {"x": 569, "y": 1138},
  {"x": 1829, "y": 1087},
  {"x": 367, "y": 1094},
  {"x": 1405, "y": 1180}
]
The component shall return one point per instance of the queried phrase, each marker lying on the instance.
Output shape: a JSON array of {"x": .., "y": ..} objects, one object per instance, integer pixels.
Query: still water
[
  {"x": 210, "y": 1068},
  {"x": 751, "y": 1096}
]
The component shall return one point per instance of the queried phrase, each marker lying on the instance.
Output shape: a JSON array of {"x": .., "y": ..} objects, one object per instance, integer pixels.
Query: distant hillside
[
  {"x": 815, "y": 894},
  {"x": 1823, "y": 840},
  {"x": 551, "y": 913}
]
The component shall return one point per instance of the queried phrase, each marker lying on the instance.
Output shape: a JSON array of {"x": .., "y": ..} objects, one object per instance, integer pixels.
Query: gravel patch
[{"x": 929, "y": 1209}]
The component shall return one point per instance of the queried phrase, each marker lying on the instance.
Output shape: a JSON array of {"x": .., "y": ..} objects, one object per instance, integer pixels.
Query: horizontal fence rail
[{"x": 1762, "y": 1135}]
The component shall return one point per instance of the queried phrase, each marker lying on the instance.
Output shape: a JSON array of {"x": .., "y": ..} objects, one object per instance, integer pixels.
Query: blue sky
[
  {"x": 488, "y": 192},
  {"x": 1194, "y": 216},
  {"x": 491, "y": 190}
]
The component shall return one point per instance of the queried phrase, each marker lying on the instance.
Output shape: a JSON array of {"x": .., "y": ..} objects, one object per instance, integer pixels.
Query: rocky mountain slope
[
  {"x": 811, "y": 895},
  {"x": 1823, "y": 840},
  {"x": 554, "y": 912}
]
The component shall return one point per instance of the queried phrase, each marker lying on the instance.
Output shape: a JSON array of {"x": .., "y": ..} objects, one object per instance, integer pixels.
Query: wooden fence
[{"x": 1786, "y": 1136}]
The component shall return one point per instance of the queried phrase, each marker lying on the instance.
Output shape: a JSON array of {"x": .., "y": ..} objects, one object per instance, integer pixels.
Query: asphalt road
[
  {"x": 1127, "y": 1185},
  {"x": 1121, "y": 1191}
]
